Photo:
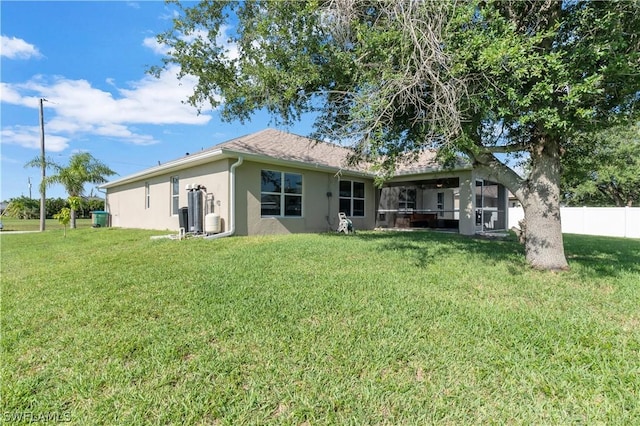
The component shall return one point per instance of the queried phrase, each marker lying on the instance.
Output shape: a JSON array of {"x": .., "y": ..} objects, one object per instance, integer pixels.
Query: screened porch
[{"x": 436, "y": 204}]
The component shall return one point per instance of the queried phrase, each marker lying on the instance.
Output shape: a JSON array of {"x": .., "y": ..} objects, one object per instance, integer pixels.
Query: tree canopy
[
  {"x": 482, "y": 78},
  {"x": 604, "y": 170}
]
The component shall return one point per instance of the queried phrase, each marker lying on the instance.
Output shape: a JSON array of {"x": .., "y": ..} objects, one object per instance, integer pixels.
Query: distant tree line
[
  {"x": 28, "y": 208},
  {"x": 603, "y": 169}
]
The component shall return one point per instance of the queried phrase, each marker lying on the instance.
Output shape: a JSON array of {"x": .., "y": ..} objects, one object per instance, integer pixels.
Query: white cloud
[
  {"x": 157, "y": 48},
  {"x": 29, "y": 137},
  {"x": 222, "y": 39},
  {"x": 170, "y": 14},
  {"x": 9, "y": 95},
  {"x": 16, "y": 48},
  {"x": 123, "y": 132},
  {"x": 77, "y": 109}
]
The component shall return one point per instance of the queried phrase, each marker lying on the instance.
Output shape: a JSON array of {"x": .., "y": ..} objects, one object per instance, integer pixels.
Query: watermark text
[{"x": 34, "y": 417}]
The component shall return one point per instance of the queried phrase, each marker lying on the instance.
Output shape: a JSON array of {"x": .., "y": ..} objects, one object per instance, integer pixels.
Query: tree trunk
[
  {"x": 73, "y": 219},
  {"x": 544, "y": 246},
  {"x": 540, "y": 198}
]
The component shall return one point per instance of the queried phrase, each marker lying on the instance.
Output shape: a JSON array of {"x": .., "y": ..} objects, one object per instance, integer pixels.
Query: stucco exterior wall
[
  {"x": 215, "y": 178},
  {"x": 127, "y": 203},
  {"x": 319, "y": 211}
]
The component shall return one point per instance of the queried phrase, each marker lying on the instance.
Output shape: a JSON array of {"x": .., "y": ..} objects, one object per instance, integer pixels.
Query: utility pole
[
  {"x": 43, "y": 195},
  {"x": 29, "y": 182}
]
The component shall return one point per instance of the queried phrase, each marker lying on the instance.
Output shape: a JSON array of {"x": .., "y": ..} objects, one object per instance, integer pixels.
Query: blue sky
[{"x": 89, "y": 60}]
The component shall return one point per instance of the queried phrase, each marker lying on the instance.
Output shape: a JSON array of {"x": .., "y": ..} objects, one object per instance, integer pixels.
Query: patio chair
[{"x": 345, "y": 225}]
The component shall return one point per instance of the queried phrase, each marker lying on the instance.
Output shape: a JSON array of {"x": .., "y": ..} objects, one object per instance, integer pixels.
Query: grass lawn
[
  {"x": 12, "y": 224},
  {"x": 107, "y": 326}
]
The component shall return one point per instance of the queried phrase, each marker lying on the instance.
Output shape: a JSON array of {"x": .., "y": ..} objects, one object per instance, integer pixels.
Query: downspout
[
  {"x": 232, "y": 203},
  {"x": 105, "y": 197}
]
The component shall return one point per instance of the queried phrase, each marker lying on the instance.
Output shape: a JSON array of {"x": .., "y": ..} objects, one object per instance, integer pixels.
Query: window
[
  {"x": 280, "y": 194},
  {"x": 407, "y": 199},
  {"x": 147, "y": 196},
  {"x": 175, "y": 194},
  {"x": 440, "y": 204},
  {"x": 352, "y": 198}
]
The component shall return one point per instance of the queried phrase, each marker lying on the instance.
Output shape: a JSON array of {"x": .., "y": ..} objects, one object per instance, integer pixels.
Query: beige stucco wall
[
  {"x": 126, "y": 203},
  {"x": 319, "y": 212}
]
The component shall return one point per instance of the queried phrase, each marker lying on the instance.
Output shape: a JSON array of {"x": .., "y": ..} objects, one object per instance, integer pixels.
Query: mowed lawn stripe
[{"x": 111, "y": 327}]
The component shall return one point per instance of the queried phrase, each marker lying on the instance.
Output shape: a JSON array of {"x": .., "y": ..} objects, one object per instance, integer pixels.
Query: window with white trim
[
  {"x": 280, "y": 194},
  {"x": 147, "y": 196},
  {"x": 175, "y": 195},
  {"x": 352, "y": 198},
  {"x": 440, "y": 204}
]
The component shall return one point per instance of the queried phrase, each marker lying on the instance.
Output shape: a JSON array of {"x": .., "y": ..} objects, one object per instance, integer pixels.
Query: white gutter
[
  {"x": 180, "y": 163},
  {"x": 232, "y": 203},
  {"x": 106, "y": 199},
  {"x": 297, "y": 163}
]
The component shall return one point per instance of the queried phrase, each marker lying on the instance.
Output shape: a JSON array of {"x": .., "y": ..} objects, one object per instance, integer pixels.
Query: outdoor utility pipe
[
  {"x": 232, "y": 203},
  {"x": 105, "y": 197}
]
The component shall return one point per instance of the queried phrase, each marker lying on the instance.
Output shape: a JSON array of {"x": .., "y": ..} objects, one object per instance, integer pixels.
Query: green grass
[
  {"x": 109, "y": 327},
  {"x": 12, "y": 224}
]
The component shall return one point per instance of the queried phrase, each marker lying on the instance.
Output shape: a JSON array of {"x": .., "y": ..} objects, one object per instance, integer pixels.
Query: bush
[
  {"x": 94, "y": 204},
  {"x": 54, "y": 205},
  {"x": 23, "y": 208},
  {"x": 28, "y": 208}
]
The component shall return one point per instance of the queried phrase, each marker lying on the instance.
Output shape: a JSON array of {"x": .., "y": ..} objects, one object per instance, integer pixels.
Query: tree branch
[{"x": 506, "y": 149}]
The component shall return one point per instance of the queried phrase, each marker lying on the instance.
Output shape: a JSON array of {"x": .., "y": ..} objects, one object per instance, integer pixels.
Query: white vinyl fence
[{"x": 606, "y": 221}]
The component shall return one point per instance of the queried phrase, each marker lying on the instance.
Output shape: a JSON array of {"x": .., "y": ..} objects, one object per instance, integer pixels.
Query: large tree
[
  {"x": 83, "y": 168},
  {"x": 495, "y": 80}
]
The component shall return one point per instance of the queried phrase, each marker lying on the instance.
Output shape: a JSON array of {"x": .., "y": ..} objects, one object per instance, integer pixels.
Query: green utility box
[{"x": 100, "y": 219}]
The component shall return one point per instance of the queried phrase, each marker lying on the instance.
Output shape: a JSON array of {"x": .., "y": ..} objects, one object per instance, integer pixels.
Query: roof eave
[
  {"x": 261, "y": 158},
  {"x": 220, "y": 154},
  {"x": 168, "y": 167},
  {"x": 430, "y": 170}
]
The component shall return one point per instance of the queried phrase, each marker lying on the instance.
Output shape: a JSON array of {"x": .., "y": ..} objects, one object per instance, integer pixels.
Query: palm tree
[{"x": 83, "y": 168}]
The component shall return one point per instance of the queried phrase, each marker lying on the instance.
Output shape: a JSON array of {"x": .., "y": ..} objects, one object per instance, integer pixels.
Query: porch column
[
  {"x": 503, "y": 205},
  {"x": 467, "y": 224}
]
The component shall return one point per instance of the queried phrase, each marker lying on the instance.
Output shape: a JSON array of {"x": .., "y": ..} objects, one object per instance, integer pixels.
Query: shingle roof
[
  {"x": 289, "y": 147},
  {"x": 422, "y": 162},
  {"x": 274, "y": 145}
]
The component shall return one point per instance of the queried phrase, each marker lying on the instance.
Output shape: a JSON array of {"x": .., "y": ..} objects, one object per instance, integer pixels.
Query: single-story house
[{"x": 275, "y": 182}]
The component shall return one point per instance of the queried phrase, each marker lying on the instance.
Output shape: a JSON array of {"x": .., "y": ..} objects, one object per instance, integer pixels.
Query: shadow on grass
[
  {"x": 591, "y": 256},
  {"x": 428, "y": 247},
  {"x": 604, "y": 256}
]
